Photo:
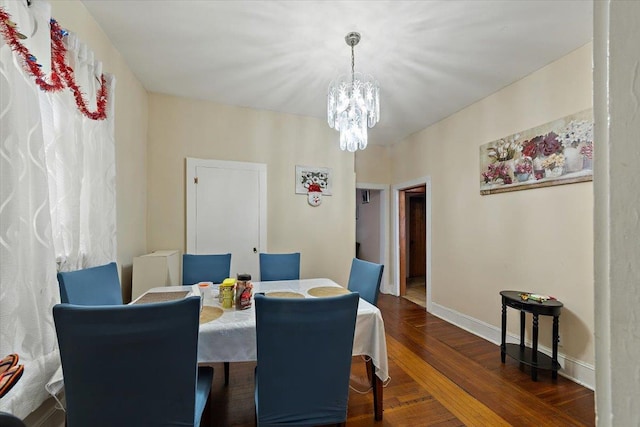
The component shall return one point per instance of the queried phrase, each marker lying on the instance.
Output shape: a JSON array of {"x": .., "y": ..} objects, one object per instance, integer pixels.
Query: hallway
[{"x": 416, "y": 291}]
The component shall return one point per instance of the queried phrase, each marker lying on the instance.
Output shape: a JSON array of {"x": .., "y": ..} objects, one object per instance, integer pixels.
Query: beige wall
[
  {"x": 130, "y": 133},
  {"x": 372, "y": 164},
  {"x": 181, "y": 128},
  {"x": 539, "y": 240}
]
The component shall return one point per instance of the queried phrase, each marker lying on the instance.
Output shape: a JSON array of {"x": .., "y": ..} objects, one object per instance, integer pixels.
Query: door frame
[
  {"x": 385, "y": 285},
  {"x": 190, "y": 174},
  {"x": 397, "y": 190}
]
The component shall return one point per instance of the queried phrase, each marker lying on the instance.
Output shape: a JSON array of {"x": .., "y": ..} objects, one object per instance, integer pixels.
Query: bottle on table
[{"x": 243, "y": 291}]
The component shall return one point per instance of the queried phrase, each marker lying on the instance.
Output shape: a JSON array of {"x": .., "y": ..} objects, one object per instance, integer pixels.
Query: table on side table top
[{"x": 530, "y": 356}]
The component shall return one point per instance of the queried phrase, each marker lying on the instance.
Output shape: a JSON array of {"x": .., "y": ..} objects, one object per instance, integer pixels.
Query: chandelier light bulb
[{"x": 353, "y": 104}]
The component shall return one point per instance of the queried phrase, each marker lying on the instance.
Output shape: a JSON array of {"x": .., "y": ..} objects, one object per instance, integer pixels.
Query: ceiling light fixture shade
[{"x": 353, "y": 104}]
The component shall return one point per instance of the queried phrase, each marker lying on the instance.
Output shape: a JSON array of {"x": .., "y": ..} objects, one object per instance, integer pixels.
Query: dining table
[{"x": 229, "y": 334}]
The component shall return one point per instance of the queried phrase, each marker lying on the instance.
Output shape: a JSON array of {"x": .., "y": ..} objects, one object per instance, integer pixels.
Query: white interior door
[{"x": 226, "y": 211}]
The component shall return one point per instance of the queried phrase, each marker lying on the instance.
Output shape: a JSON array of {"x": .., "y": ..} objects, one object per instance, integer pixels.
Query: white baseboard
[{"x": 576, "y": 370}]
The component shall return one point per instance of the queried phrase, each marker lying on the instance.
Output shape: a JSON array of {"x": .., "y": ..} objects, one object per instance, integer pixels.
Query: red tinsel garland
[{"x": 59, "y": 69}]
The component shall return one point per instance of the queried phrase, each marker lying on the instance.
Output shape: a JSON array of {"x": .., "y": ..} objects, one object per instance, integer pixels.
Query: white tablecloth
[{"x": 232, "y": 337}]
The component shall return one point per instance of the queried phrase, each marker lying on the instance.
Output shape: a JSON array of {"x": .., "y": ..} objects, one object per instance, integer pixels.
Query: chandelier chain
[{"x": 353, "y": 63}]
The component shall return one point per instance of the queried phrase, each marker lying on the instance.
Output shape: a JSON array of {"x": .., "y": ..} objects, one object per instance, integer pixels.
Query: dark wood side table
[{"x": 530, "y": 356}]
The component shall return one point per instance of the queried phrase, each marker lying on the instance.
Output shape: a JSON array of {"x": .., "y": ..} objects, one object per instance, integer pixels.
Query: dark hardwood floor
[{"x": 441, "y": 375}]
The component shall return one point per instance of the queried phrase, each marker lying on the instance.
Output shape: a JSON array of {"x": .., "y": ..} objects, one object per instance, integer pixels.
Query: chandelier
[{"x": 353, "y": 103}]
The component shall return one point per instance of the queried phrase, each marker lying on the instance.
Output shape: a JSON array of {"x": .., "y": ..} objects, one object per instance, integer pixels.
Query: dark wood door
[{"x": 417, "y": 236}]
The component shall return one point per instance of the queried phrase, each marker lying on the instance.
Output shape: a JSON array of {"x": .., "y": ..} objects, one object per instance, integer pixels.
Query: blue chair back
[
  {"x": 365, "y": 279},
  {"x": 91, "y": 286},
  {"x": 131, "y": 365},
  {"x": 205, "y": 268},
  {"x": 279, "y": 267},
  {"x": 10, "y": 420},
  {"x": 304, "y": 359}
]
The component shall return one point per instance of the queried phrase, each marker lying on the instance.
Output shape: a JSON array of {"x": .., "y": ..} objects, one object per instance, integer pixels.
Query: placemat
[
  {"x": 283, "y": 294},
  {"x": 327, "y": 291},
  {"x": 209, "y": 314},
  {"x": 161, "y": 297}
]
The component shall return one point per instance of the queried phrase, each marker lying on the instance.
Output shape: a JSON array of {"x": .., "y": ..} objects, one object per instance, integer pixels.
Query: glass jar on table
[
  {"x": 227, "y": 293},
  {"x": 243, "y": 291}
]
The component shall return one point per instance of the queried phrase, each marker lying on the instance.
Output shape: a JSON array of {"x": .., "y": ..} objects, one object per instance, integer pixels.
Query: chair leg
[
  {"x": 226, "y": 373},
  {"x": 207, "y": 418}
]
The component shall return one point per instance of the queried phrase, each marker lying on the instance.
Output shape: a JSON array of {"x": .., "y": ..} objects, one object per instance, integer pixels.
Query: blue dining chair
[
  {"x": 279, "y": 267},
  {"x": 365, "y": 278},
  {"x": 304, "y": 351},
  {"x": 133, "y": 365},
  {"x": 91, "y": 286},
  {"x": 205, "y": 268}
]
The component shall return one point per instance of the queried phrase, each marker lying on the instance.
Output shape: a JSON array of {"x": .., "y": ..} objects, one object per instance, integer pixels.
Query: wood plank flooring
[
  {"x": 416, "y": 291},
  {"x": 441, "y": 375}
]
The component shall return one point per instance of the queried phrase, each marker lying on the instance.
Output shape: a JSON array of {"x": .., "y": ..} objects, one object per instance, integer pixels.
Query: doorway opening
[
  {"x": 368, "y": 225},
  {"x": 412, "y": 212},
  {"x": 372, "y": 233},
  {"x": 412, "y": 246}
]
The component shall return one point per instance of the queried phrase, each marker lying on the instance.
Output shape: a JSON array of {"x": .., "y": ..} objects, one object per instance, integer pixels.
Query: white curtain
[
  {"x": 57, "y": 198},
  {"x": 81, "y": 164}
]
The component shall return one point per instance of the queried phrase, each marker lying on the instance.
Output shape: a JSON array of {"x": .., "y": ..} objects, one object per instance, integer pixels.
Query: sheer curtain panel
[
  {"x": 81, "y": 165},
  {"x": 57, "y": 196}
]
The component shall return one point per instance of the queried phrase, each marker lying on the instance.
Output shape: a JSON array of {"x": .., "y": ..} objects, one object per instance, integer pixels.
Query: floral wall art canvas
[{"x": 558, "y": 152}]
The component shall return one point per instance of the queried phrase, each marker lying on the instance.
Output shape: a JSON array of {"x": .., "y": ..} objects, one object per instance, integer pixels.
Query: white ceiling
[{"x": 432, "y": 58}]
